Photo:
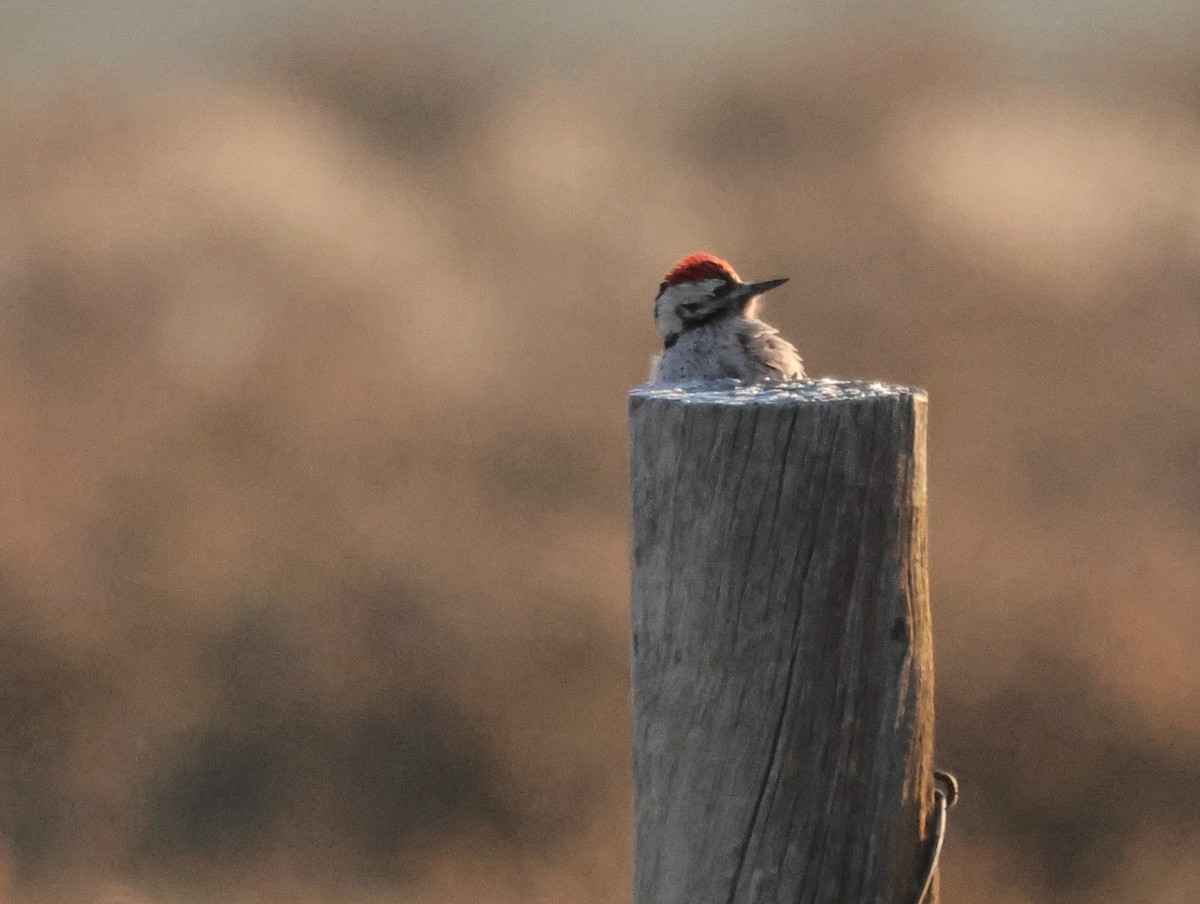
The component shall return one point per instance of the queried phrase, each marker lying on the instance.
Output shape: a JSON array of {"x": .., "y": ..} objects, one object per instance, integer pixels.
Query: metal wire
[{"x": 945, "y": 796}]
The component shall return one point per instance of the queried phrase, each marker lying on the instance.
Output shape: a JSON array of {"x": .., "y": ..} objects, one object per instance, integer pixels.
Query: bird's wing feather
[{"x": 770, "y": 356}]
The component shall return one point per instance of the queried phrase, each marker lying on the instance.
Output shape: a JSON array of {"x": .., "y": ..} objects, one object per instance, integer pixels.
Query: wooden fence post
[{"x": 782, "y": 651}]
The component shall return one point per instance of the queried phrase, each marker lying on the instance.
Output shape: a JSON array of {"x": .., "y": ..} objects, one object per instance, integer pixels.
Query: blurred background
[{"x": 316, "y": 324}]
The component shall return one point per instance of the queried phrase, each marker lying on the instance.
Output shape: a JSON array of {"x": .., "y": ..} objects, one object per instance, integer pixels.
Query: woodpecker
[{"x": 708, "y": 320}]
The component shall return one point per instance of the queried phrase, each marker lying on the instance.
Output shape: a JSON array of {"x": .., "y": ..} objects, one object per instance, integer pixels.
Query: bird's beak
[{"x": 758, "y": 288}]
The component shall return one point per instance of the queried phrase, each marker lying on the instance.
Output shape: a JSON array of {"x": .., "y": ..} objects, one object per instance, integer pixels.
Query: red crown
[{"x": 696, "y": 267}]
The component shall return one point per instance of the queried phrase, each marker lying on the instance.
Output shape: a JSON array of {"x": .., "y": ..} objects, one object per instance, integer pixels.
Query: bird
[{"x": 708, "y": 320}]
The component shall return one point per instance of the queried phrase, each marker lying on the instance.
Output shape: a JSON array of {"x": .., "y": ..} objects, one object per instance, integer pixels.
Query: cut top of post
[{"x": 732, "y": 393}]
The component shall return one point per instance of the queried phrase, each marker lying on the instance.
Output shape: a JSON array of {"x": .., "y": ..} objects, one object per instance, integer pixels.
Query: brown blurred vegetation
[{"x": 313, "y": 559}]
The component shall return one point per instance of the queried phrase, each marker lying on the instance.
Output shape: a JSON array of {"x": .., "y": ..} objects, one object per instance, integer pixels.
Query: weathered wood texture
[{"x": 782, "y": 651}]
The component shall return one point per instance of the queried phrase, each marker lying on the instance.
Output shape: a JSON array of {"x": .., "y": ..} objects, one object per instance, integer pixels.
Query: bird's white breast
[{"x": 710, "y": 352}]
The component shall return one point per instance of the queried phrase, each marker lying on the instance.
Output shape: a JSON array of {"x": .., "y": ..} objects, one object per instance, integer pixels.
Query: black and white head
[{"x": 700, "y": 289}]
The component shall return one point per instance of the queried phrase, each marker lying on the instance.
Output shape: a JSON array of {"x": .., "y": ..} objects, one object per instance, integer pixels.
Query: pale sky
[{"x": 44, "y": 40}]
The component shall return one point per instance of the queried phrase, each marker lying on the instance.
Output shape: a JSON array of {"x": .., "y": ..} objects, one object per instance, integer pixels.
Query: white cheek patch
[
  {"x": 680, "y": 293},
  {"x": 682, "y": 304}
]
